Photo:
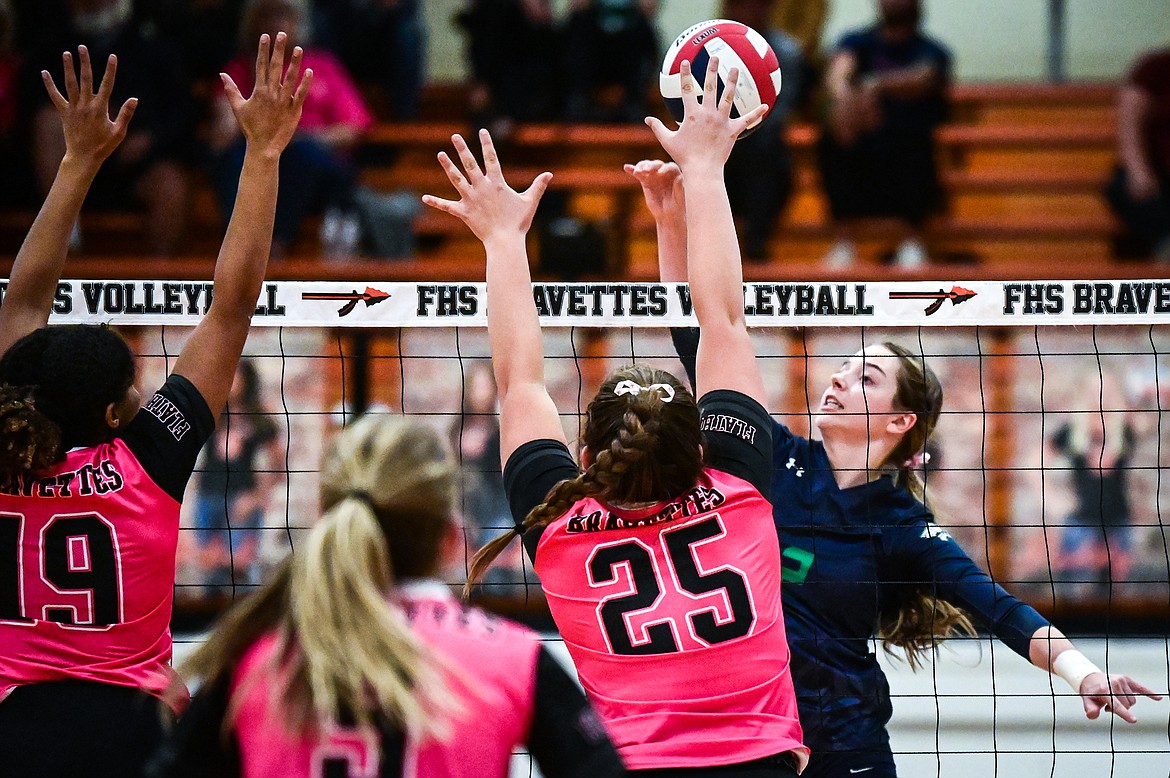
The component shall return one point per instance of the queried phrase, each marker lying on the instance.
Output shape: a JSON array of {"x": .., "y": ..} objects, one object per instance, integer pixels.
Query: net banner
[{"x": 601, "y": 304}]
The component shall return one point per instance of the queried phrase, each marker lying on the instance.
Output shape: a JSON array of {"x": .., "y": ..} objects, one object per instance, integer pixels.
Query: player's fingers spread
[
  {"x": 276, "y": 61},
  {"x": 1123, "y": 712},
  {"x": 470, "y": 166},
  {"x": 441, "y": 204},
  {"x": 70, "y": 76},
  {"x": 231, "y": 91},
  {"x": 262, "y": 60},
  {"x": 125, "y": 114},
  {"x": 711, "y": 78},
  {"x": 289, "y": 83},
  {"x": 491, "y": 159},
  {"x": 751, "y": 118},
  {"x": 303, "y": 88},
  {"x": 659, "y": 129},
  {"x": 107, "y": 85},
  {"x": 85, "y": 70},
  {"x": 55, "y": 95},
  {"x": 537, "y": 189},
  {"x": 1142, "y": 689},
  {"x": 454, "y": 175},
  {"x": 690, "y": 91}
]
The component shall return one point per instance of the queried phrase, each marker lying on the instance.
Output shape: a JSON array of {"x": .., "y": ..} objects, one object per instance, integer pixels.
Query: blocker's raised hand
[
  {"x": 707, "y": 132},
  {"x": 85, "y": 114},
  {"x": 486, "y": 204},
  {"x": 268, "y": 119}
]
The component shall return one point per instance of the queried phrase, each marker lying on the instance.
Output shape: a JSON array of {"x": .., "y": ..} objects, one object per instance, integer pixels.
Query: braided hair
[
  {"x": 55, "y": 386},
  {"x": 645, "y": 445}
]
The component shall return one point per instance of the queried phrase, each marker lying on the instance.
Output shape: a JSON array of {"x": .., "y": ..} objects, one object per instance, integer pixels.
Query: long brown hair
[
  {"x": 387, "y": 494},
  {"x": 917, "y": 620},
  {"x": 645, "y": 448}
]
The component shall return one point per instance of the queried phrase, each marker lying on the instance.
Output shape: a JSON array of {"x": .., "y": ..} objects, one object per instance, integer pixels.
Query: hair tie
[
  {"x": 634, "y": 388},
  {"x": 918, "y": 461}
]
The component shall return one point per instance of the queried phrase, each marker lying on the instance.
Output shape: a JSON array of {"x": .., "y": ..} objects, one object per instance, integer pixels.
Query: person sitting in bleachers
[
  {"x": 149, "y": 170},
  {"x": 316, "y": 172},
  {"x": 887, "y": 85},
  {"x": 610, "y": 58},
  {"x": 512, "y": 52},
  {"x": 1140, "y": 189}
]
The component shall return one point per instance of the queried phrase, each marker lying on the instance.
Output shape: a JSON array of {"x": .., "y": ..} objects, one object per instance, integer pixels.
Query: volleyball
[{"x": 737, "y": 46}]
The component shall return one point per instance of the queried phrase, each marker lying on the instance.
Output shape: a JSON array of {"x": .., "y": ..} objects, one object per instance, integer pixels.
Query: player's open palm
[
  {"x": 486, "y": 204},
  {"x": 1113, "y": 693},
  {"x": 268, "y": 119},
  {"x": 85, "y": 114},
  {"x": 707, "y": 132}
]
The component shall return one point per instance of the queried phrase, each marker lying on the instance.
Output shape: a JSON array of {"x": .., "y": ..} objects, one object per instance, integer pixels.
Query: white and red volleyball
[{"x": 737, "y": 46}]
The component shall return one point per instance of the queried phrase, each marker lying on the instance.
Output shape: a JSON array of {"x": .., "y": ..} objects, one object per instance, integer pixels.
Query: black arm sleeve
[
  {"x": 686, "y": 345},
  {"x": 531, "y": 471},
  {"x": 737, "y": 436},
  {"x": 168, "y": 432},
  {"x": 197, "y": 748},
  {"x": 567, "y": 738}
]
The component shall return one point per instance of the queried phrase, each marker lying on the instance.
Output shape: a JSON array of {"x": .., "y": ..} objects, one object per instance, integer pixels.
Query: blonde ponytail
[
  {"x": 356, "y": 653},
  {"x": 344, "y": 649}
]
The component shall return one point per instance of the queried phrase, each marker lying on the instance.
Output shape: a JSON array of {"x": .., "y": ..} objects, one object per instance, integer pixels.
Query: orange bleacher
[{"x": 1023, "y": 166}]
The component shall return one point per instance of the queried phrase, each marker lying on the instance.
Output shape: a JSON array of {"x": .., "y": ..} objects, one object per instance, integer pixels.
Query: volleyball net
[{"x": 1046, "y": 465}]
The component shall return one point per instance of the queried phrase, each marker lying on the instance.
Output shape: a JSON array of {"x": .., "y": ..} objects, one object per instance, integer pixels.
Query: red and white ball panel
[{"x": 737, "y": 46}]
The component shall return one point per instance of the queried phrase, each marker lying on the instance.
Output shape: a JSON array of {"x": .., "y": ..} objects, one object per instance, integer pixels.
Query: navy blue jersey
[
  {"x": 848, "y": 555},
  {"x": 875, "y": 54}
]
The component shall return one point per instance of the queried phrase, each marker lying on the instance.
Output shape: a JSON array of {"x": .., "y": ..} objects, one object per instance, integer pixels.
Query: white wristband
[{"x": 1073, "y": 667}]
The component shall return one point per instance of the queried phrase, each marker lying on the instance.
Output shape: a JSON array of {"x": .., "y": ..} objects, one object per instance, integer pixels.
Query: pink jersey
[
  {"x": 672, "y": 616},
  {"x": 95, "y": 573},
  {"x": 494, "y": 677}
]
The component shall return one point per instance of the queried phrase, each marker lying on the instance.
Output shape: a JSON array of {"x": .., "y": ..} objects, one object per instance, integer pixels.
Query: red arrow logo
[
  {"x": 957, "y": 295},
  {"x": 370, "y": 297}
]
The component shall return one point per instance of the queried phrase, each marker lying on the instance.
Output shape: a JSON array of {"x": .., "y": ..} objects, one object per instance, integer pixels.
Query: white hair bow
[{"x": 634, "y": 388}]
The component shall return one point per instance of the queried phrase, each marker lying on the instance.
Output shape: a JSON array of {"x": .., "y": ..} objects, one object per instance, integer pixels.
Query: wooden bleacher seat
[{"x": 1023, "y": 165}]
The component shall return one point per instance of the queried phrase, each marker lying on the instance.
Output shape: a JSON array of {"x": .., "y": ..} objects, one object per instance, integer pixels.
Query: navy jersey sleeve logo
[{"x": 932, "y": 530}]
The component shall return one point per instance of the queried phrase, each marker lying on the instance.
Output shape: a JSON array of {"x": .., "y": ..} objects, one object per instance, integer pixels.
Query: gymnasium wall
[{"x": 993, "y": 40}]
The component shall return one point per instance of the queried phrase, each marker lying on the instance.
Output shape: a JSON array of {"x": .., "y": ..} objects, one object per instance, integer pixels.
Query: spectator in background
[
  {"x": 759, "y": 171},
  {"x": 512, "y": 49},
  {"x": 202, "y": 31},
  {"x": 381, "y": 42},
  {"x": 1098, "y": 444},
  {"x": 316, "y": 173},
  {"x": 1140, "y": 189},
  {"x": 234, "y": 486},
  {"x": 804, "y": 20},
  {"x": 14, "y": 173},
  {"x": 887, "y": 88},
  {"x": 149, "y": 169},
  {"x": 611, "y": 57}
]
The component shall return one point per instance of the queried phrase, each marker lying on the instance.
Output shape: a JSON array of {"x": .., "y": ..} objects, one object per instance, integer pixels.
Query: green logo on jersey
[{"x": 801, "y": 559}]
